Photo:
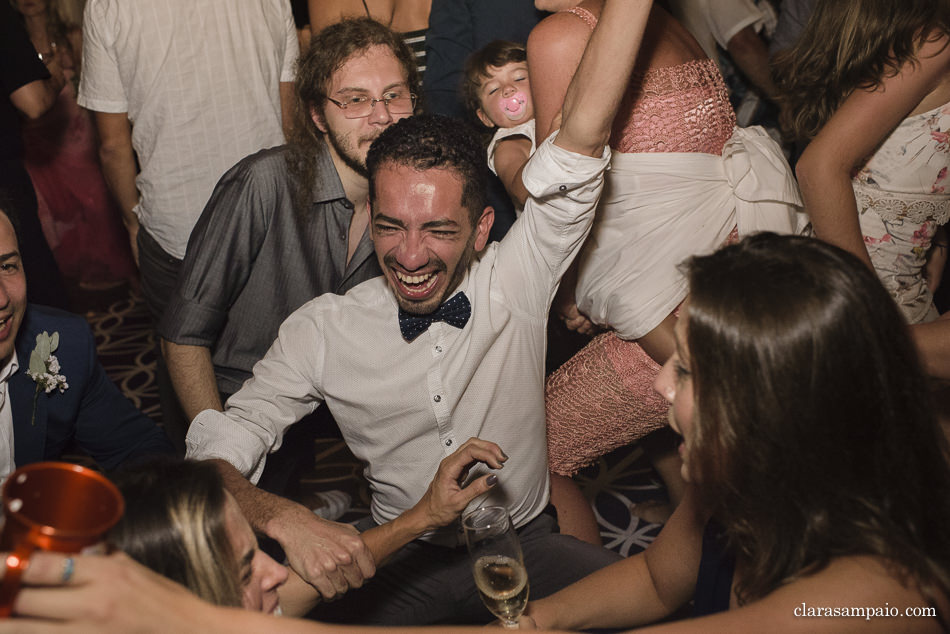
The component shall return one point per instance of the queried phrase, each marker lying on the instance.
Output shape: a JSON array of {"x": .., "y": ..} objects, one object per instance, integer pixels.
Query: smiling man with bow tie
[{"x": 448, "y": 345}]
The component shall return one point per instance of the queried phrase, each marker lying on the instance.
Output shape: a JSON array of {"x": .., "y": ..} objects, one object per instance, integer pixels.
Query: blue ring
[{"x": 69, "y": 567}]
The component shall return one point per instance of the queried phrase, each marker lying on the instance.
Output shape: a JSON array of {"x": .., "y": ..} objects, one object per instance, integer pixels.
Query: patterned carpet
[{"x": 126, "y": 347}]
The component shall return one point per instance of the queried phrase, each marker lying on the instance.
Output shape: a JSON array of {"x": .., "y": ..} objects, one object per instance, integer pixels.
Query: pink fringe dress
[{"x": 603, "y": 397}]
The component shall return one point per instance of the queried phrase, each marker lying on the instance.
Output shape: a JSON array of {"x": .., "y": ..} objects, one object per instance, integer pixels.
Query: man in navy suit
[{"x": 39, "y": 425}]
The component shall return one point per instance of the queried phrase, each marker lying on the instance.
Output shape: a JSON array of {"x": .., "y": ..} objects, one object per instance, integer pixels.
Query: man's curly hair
[
  {"x": 425, "y": 142},
  {"x": 329, "y": 50}
]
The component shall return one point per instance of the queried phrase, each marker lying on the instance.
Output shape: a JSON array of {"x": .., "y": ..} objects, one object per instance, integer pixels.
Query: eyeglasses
[{"x": 359, "y": 106}]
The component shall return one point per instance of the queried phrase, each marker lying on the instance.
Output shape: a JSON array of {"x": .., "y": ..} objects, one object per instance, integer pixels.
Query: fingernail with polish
[{"x": 492, "y": 480}]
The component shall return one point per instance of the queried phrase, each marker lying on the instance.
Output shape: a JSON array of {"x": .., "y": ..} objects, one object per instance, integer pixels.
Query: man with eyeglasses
[{"x": 285, "y": 225}]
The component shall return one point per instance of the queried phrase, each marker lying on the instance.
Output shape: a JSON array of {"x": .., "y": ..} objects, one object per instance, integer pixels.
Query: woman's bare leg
[
  {"x": 601, "y": 399},
  {"x": 660, "y": 343},
  {"x": 575, "y": 516}
]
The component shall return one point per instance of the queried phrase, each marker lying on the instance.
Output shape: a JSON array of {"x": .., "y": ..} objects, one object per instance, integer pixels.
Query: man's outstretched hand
[
  {"x": 446, "y": 498},
  {"x": 443, "y": 501}
]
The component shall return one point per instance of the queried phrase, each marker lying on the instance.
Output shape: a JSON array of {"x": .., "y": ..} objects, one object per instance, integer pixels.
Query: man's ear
[
  {"x": 483, "y": 227},
  {"x": 318, "y": 119},
  {"x": 484, "y": 118}
]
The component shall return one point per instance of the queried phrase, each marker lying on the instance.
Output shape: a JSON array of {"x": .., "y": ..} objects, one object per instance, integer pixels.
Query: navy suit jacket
[{"x": 92, "y": 410}]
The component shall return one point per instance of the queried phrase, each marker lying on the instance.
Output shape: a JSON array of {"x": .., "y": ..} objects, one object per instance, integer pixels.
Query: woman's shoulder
[
  {"x": 851, "y": 591},
  {"x": 576, "y": 19},
  {"x": 559, "y": 33}
]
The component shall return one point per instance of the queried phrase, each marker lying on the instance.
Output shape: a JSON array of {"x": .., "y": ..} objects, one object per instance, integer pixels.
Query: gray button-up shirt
[{"x": 253, "y": 259}]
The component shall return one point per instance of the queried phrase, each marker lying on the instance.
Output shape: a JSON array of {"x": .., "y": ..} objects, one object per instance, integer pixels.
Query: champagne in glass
[
  {"x": 497, "y": 563},
  {"x": 503, "y": 585}
]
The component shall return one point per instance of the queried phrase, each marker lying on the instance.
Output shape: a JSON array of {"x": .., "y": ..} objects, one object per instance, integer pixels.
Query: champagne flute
[{"x": 497, "y": 562}]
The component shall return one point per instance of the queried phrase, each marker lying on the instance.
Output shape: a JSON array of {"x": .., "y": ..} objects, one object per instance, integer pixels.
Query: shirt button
[
  {"x": 448, "y": 443},
  {"x": 437, "y": 398},
  {"x": 438, "y": 348},
  {"x": 562, "y": 188}
]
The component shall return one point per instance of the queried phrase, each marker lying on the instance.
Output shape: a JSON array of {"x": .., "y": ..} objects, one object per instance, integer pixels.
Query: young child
[{"x": 497, "y": 91}]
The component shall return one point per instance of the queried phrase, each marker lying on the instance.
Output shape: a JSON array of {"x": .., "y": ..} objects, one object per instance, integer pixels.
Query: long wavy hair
[
  {"x": 329, "y": 50},
  {"x": 814, "y": 434},
  {"x": 850, "y": 45},
  {"x": 174, "y": 523}
]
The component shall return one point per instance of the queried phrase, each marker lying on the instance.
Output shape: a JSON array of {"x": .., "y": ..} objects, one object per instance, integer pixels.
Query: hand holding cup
[{"x": 53, "y": 506}]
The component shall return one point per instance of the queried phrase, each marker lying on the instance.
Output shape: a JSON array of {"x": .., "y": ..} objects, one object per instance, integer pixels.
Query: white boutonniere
[{"x": 44, "y": 367}]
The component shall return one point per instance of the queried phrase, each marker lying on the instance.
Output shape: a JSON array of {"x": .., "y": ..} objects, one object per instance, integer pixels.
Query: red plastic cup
[{"x": 53, "y": 506}]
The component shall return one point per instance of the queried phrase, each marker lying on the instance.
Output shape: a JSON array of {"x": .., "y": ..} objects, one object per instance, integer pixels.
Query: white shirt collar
[{"x": 12, "y": 366}]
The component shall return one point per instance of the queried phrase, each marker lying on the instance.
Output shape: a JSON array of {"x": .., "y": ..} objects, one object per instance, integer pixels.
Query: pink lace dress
[{"x": 680, "y": 183}]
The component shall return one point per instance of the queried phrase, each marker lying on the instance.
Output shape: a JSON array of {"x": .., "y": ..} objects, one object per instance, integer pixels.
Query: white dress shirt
[
  {"x": 403, "y": 407},
  {"x": 200, "y": 83},
  {"x": 7, "y": 462}
]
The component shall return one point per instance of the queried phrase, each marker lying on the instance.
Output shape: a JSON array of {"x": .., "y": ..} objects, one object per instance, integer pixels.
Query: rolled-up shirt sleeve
[
  {"x": 220, "y": 256},
  {"x": 565, "y": 188},
  {"x": 286, "y": 386}
]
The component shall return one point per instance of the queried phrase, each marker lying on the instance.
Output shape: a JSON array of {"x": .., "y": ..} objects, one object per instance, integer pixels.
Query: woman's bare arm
[
  {"x": 852, "y": 134},
  {"x": 640, "y": 589},
  {"x": 848, "y": 583},
  {"x": 555, "y": 48}
]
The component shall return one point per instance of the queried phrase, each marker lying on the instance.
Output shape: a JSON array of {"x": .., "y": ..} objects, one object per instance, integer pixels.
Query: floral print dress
[{"x": 903, "y": 196}]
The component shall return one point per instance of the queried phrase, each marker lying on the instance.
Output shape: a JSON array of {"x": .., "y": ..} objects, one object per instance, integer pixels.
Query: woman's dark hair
[
  {"x": 850, "y": 45},
  {"x": 426, "y": 142},
  {"x": 174, "y": 523},
  {"x": 494, "y": 54},
  {"x": 814, "y": 434}
]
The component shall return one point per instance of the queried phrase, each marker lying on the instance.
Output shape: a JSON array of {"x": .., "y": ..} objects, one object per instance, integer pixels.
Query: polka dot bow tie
[{"x": 454, "y": 312}]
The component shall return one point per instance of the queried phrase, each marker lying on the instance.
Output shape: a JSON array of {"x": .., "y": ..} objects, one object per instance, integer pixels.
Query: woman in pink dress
[
  {"x": 79, "y": 218},
  {"x": 683, "y": 180}
]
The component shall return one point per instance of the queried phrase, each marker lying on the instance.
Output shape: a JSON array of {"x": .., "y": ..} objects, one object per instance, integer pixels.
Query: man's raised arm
[{"x": 594, "y": 94}]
